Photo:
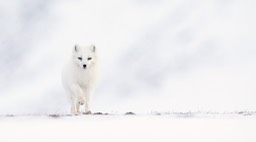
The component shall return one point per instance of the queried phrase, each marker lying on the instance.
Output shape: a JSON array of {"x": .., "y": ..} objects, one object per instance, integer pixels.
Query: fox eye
[
  {"x": 80, "y": 58},
  {"x": 89, "y": 58}
]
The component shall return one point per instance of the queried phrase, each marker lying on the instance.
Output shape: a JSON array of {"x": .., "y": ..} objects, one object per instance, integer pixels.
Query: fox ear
[
  {"x": 93, "y": 48},
  {"x": 76, "y": 48}
]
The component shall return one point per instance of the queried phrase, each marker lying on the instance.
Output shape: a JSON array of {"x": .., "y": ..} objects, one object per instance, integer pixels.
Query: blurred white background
[{"x": 156, "y": 55}]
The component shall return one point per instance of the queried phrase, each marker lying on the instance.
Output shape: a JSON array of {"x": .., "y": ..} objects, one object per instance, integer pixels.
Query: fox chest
[{"x": 82, "y": 80}]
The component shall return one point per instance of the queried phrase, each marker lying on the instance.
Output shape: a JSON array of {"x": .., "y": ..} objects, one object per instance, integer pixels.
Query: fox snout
[{"x": 84, "y": 66}]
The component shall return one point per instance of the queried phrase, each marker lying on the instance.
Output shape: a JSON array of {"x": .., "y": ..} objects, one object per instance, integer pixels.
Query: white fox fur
[{"x": 79, "y": 77}]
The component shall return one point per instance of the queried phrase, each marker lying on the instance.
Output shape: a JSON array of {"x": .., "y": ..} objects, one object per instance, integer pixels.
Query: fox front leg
[
  {"x": 73, "y": 106},
  {"x": 88, "y": 99},
  {"x": 75, "y": 99}
]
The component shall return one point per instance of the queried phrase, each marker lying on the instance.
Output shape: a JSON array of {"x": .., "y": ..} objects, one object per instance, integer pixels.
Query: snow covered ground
[{"x": 183, "y": 127}]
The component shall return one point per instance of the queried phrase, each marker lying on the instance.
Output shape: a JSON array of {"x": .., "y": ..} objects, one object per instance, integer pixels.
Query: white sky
[{"x": 155, "y": 55}]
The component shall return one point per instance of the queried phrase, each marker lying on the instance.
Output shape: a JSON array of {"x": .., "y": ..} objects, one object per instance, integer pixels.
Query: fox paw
[
  {"x": 87, "y": 112},
  {"x": 81, "y": 102},
  {"x": 75, "y": 113}
]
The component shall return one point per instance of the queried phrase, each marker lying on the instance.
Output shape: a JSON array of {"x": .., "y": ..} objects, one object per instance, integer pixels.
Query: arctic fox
[{"x": 79, "y": 77}]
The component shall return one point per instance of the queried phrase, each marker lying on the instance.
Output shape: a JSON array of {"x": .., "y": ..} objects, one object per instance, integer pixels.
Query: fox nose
[{"x": 84, "y": 66}]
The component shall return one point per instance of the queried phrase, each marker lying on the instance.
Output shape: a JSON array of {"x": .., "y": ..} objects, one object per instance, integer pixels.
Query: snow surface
[{"x": 116, "y": 128}]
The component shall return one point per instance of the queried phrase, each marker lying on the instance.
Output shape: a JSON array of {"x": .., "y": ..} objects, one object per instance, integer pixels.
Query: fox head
[{"x": 84, "y": 56}]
